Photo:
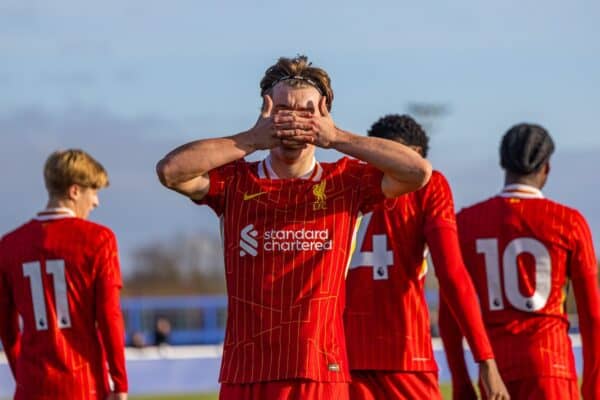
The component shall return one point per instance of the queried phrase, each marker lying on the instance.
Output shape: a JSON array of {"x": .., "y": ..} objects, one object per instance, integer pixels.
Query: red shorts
[
  {"x": 293, "y": 389},
  {"x": 543, "y": 388},
  {"x": 377, "y": 385}
]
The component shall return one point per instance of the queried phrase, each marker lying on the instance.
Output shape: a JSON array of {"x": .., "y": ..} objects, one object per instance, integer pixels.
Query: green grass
[{"x": 446, "y": 393}]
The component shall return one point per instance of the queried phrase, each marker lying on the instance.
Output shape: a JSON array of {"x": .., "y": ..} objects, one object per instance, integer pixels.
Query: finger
[
  {"x": 308, "y": 127},
  {"x": 267, "y": 106},
  {"x": 323, "y": 106},
  {"x": 292, "y": 117},
  {"x": 285, "y": 133},
  {"x": 302, "y": 114}
]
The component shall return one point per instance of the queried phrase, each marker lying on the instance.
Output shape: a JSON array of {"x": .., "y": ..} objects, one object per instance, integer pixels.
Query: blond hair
[
  {"x": 297, "y": 72},
  {"x": 64, "y": 168}
]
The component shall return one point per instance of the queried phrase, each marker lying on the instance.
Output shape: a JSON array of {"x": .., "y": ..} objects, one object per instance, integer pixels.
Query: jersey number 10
[
  {"x": 56, "y": 268},
  {"x": 543, "y": 276}
]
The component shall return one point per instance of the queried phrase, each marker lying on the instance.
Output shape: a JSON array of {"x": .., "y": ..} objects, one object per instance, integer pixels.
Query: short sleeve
[
  {"x": 583, "y": 259},
  {"x": 438, "y": 203},
  {"x": 219, "y": 179}
]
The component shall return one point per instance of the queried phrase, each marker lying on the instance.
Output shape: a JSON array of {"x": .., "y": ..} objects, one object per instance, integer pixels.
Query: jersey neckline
[
  {"x": 266, "y": 171},
  {"x": 50, "y": 214},
  {"x": 521, "y": 191}
]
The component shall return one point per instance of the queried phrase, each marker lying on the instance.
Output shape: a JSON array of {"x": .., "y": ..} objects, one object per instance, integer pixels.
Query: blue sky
[{"x": 127, "y": 81}]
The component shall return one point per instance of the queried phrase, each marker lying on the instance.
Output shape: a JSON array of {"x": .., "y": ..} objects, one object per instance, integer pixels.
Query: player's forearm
[
  {"x": 196, "y": 159},
  {"x": 462, "y": 388},
  {"x": 405, "y": 170},
  {"x": 587, "y": 297},
  {"x": 458, "y": 291},
  {"x": 452, "y": 339}
]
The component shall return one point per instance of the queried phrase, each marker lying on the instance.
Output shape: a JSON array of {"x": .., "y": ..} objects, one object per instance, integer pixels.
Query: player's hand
[
  {"x": 295, "y": 128},
  {"x": 325, "y": 127},
  {"x": 117, "y": 396},
  {"x": 307, "y": 127},
  {"x": 263, "y": 131},
  {"x": 491, "y": 381}
]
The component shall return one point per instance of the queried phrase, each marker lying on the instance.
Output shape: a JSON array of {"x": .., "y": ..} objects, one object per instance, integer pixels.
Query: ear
[
  {"x": 73, "y": 192},
  {"x": 323, "y": 106},
  {"x": 418, "y": 149},
  {"x": 547, "y": 168},
  {"x": 267, "y": 106}
]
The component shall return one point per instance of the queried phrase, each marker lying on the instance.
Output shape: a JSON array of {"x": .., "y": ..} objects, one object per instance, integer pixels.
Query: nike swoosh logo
[{"x": 253, "y": 195}]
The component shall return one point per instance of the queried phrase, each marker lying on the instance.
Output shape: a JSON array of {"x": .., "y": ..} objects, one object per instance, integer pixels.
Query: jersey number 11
[{"x": 56, "y": 268}]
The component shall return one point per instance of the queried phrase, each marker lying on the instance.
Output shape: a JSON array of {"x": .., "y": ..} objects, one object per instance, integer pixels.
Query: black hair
[
  {"x": 525, "y": 148},
  {"x": 402, "y": 128}
]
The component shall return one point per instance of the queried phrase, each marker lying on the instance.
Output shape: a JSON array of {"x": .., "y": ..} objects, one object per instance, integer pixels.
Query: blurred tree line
[{"x": 186, "y": 264}]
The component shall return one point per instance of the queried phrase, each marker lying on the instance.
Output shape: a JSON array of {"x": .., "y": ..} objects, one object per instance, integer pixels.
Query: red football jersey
[
  {"x": 387, "y": 318},
  {"x": 520, "y": 250},
  {"x": 61, "y": 275},
  {"x": 287, "y": 245}
]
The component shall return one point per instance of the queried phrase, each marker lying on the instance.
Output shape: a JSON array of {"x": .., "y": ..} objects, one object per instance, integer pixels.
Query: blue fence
[{"x": 194, "y": 319}]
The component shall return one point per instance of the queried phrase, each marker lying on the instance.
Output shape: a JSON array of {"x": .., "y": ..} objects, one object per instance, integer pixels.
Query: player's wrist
[
  {"x": 248, "y": 141},
  {"x": 339, "y": 139}
]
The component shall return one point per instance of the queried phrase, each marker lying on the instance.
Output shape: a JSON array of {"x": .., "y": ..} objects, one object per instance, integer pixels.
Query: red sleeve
[
  {"x": 108, "y": 312},
  {"x": 584, "y": 275},
  {"x": 219, "y": 179},
  {"x": 588, "y": 310},
  {"x": 457, "y": 289},
  {"x": 456, "y": 286},
  {"x": 583, "y": 258},
  {"x": 462, "y": 388},
  {"x": 9, "y": 320}
]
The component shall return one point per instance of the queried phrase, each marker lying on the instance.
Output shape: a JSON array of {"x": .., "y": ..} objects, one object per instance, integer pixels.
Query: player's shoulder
[
  {"x": 437, "y": 176},
  {"x": 236, "y": 167},
  {"x": 343, "y": 162},
  {"x": 18, "y": 234},
  {"x": 437, "y": 181},
  {"x": 96, "y": 232},
  {"x": 343, "y": 165},
  {"x": 562, "y": 211},
  {"x": 476, "y": 209}
]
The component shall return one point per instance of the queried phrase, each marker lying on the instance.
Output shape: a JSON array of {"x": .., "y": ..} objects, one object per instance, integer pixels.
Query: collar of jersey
[
  {"x": 55, "y": 213},
  {"x": 265, "y": 170},
  {"x": 521, "y": 191}
]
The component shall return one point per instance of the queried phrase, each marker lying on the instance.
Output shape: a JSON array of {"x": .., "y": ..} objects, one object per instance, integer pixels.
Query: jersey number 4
[
  {"x": 543, "y": 269},
  {"x": 56, "y": 268},
  {"x": 380, "y": 258}
]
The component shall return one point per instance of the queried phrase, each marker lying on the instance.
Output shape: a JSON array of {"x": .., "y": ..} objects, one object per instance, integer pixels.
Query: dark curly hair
[
  {"x": 401, "y": 128},
  {"x": 525, "y": 148}
]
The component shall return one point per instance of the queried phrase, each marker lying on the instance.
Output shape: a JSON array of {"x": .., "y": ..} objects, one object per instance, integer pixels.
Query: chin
[{"x": 288, "y": 153}]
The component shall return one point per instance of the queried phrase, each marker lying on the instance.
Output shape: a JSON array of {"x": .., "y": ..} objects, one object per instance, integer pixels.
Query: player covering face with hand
[
  {"x": 522, "y": 250},
  {"x": 61, "y": 274},
  {"x": 288, "y": 223}
]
